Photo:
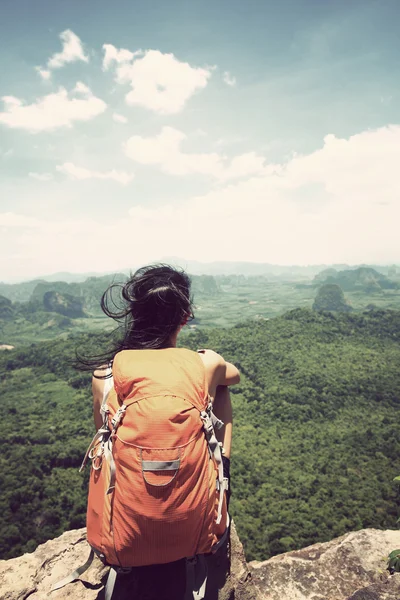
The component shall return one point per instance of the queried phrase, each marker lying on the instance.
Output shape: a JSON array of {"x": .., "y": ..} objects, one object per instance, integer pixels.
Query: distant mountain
[
  {"x": 53, "y": 314},
  {"x": 83, "y": 296},
  {"x": 205, "y": 285},
  {"x": 19, "y": 292},
  {"x": 88, "y": 292},
  {"x": 72, "y": 277},
  {"x": 323, "y": 275},
  {"x": 194, "y": 267},
  {"x": 248, "y": 268},
  {"x": 361, "y": 279},
  {"x": 330, "y": 297},
  {"x": 64, "y": 304},
  {"x": 6, "y": 308}
]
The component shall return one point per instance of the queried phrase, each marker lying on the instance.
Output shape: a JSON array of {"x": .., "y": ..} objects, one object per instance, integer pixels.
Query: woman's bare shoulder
[
  {"x": 210, "y": 356},
  {"x": 224, "y": 373},
  {"x": 98, "y": 377}
]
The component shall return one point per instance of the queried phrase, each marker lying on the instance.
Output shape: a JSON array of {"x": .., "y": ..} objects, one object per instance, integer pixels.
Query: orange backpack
[{"x": 156, "y": 491}]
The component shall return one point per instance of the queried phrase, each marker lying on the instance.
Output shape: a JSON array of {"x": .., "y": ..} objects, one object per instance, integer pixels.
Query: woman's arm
[
  {"x": 220, "y": 375},
  {"x": 219, "y": 371},
  {"x": 98, "y": 393},
  {"x": 229, "y": 374},
  {"x": 222, "y": 409}
]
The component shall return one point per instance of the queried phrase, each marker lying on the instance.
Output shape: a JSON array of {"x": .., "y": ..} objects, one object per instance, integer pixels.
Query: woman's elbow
[
  {"x": 236, "y": 379},
  {"x": 232, "y": 374}
]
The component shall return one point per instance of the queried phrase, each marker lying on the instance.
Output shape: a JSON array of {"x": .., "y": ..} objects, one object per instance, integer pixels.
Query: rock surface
[
  {"x": 33, "y": 575},
  {"x": 352, "y": 567},
  {"x": 330, "y": 571},
  {"x": 386, "y": 590}
]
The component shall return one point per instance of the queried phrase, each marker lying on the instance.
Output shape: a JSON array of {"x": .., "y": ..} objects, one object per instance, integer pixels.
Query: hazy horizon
[
  {"x": 199, "y": 267},
  {"x": 267, "y": 132}
]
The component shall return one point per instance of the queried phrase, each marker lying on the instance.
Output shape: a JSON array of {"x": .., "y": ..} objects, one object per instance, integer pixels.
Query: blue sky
[{"x": 258, "y": 131}]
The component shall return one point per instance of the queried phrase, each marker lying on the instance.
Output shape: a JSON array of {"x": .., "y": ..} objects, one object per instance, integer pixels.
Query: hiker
[
  {"x": 154, "y": 321},
  {"x": 160, "y": 459}
]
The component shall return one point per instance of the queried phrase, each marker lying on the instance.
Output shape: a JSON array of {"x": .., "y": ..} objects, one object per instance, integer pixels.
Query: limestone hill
[
  {"x": 330, "y": 297},
  {"x": 64, "y": 304},
  {"x": 364, "y": 279},
  {"x": 88, "y": 292}
]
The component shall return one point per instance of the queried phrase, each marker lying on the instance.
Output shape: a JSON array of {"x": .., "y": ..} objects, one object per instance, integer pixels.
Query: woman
[{"x": 156, "y": 305}]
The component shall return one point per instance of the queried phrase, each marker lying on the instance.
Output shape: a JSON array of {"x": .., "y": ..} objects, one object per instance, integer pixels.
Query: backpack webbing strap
[
  {"x": 223, "y": 537},
  {"x": 217, "y": 423},
  {"x": 75, "y": 575},
  {"x": 196, "y": 577},
  {"x": 108, "y": 453},
  {"x": 108, "y": 447},
  {"x": 109, "y": 589},
  {"x": 215, "y": 449}
]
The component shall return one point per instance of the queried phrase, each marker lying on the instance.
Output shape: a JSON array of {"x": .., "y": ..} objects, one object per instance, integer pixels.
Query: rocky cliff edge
[{"x": 352, "y": 567}]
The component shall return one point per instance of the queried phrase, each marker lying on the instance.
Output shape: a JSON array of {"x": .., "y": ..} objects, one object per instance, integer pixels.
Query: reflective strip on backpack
[{"x": 160, "y": 465}]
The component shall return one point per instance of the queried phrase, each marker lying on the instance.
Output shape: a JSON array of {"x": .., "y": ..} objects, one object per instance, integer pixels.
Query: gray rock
[
  {"x": 352, "y": 567},
  {"x": 386, "y": 590},
  {"x": 328, "y": 571},
  {"x": 33, "y": 575}
]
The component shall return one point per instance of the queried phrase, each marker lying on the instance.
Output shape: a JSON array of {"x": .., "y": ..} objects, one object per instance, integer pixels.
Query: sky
[{"x": 211, "y": 130}]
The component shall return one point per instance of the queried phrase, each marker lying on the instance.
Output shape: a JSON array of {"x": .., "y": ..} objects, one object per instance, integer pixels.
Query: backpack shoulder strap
[
  {"x": 209, "y": 419},
  {"x": 108, "y": 385}
]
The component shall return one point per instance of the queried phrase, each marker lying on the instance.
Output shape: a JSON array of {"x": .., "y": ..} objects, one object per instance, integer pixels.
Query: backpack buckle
[
  {"x": 207, "y": 423},
  {"x": 118, "y": 417}
]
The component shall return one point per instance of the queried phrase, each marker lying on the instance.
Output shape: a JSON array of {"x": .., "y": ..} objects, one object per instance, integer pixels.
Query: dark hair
[{"x": 149, "y": 308}]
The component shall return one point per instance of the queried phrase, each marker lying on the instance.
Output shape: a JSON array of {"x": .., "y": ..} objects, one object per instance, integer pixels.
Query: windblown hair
[{"x": 149, "y": 308}]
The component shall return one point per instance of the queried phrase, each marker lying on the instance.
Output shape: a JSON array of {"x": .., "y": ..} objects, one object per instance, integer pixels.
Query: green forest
[{"x": 316, "y": 429}]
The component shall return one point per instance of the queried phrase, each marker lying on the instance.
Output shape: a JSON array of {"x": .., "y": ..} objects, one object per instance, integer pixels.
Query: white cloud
[
  {"x": 119, "y": 118},
  {"x": 229, "y": 79},
  {"x": 44, "y": 73},
  {"x": 112, "y": 54},
  {"x": 80, "y": 173},
  {"x": 243, "y": 166},
  {"x": 159, "y": 82},
  {"x": 13, "y": 220},
  {"x": 41, "y": 176},
  {"x": 164, "y": 150},
  {"x": 82, "y": 88},
  {"x": 337, "y": 204},
  {"x": 72, "y": 51},
  {"x": 50, "y": 112}
]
